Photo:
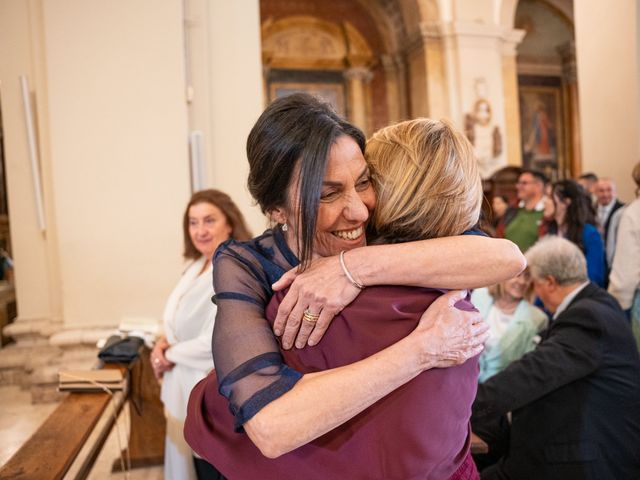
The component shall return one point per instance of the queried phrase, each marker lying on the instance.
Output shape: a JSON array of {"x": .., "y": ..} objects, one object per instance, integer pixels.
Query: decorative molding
[
  {"x": 430, "y": 30},
  {"x": 546, "y": 70},
  {"x": 569, "y": 67},
  {"x": 305, "y": 42},
  {"x": 393, "y": 63},
  {"x": 362, "y": 74},
  {"x": 510, "y": 41}
]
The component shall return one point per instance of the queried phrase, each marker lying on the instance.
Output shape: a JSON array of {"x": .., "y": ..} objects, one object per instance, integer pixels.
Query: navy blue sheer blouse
[{"x": 250, "y": 368}]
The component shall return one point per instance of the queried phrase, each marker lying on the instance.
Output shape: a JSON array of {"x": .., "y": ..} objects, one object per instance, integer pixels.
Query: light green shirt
[{"x": 523, "y": 229}]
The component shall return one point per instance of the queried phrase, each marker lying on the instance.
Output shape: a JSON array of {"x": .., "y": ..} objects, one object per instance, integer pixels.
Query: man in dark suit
[{"x": 573, "y": 402}]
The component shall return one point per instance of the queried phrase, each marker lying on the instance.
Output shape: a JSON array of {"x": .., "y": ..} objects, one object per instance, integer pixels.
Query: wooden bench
[{"x": 67, "y": 444}]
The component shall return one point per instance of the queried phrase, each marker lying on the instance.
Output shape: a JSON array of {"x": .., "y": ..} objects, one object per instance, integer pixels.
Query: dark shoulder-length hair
[
  {"x": 297, "y": 129},
  {"x": 239, "y": 229},
  {"x": 580, "y": 211}
]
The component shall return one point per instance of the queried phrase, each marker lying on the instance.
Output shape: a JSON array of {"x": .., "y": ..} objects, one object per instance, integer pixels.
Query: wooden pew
[
  {"x": 53, "y": 448},
  {"x": 67, "y": 444}
]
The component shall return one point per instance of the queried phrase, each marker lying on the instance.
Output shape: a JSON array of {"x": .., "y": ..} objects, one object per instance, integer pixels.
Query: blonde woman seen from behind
[
  {"x": 513, "y": 322},
  {"x": 182, "y": 355}
]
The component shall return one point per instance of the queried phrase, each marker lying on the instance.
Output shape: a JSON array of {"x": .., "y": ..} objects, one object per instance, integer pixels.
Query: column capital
[
  {"x": 392, "y": 62},
  {"x": 430, "y": 30},
  {"x": 567, "y": 53},
  {"x": 510, "y": 41},
  {"x": 362, "y": 74}
]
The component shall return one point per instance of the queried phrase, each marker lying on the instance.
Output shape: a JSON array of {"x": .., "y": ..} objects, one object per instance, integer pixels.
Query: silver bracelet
[{"x": 346, "y": 272}]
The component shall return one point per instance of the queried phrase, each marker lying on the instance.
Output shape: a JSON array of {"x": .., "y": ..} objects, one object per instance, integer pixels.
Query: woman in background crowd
[
  {"x": 513, "y": 322},
  {"x": 624, "y": 281},
  {"x": 182, "y": 356},
  {"x": 574, "y": 220}
]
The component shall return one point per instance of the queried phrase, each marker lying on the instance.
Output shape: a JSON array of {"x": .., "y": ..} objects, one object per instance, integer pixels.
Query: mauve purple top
[{"x": 419, "y": 431}]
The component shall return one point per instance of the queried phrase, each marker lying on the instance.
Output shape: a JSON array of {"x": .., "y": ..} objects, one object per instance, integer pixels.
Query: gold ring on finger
[{"x": 310, "y": 317}]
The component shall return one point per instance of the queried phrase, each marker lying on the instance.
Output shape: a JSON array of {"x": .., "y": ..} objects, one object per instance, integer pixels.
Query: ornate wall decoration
[
  {"x": 483, "y": 133},
  {"x": 308, "y": 54}
]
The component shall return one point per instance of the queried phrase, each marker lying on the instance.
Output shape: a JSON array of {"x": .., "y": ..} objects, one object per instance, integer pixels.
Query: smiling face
[
  {"x": 516, "y": 287},
  {"x": 528, "y": 187},
  {"x": 346, "y": 201},
  {"x": 208, "y": 227}
]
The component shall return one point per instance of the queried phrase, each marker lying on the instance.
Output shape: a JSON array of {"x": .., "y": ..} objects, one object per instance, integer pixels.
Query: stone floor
[{"x": 19, "y": 419}]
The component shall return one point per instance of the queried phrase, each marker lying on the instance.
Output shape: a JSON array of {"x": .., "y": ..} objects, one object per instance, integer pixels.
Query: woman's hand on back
[
  {"x": 323, "y": 289},
  {"x": 450, "y": 336}
]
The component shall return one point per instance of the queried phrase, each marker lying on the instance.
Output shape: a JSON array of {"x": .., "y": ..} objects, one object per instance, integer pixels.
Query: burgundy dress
[{"x": 419, "y": 431}]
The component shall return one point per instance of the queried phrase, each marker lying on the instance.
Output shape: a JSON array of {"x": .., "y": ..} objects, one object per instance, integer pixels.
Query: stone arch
[
  {"x": 306, "y": 42},
  {"x": 355, "y": 53}
]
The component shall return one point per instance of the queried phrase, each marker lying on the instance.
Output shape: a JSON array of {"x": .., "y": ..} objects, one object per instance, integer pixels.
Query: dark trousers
[
  {"x": 206, "y": 471},
  {"x": 495, "y": 432}
]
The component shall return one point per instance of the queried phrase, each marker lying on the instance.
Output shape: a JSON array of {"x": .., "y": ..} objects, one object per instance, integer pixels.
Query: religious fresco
[{"x": 542, "y": 129}]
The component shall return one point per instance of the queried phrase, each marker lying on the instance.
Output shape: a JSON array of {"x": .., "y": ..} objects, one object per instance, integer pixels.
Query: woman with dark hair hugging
[{"x": 374, "y": 399}]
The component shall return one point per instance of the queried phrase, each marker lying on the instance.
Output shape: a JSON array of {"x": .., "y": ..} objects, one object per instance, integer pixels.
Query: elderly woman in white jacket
[{"x": 182, "y": 356}]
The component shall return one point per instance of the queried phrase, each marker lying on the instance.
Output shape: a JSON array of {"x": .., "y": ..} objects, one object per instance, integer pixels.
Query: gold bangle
[{"x": 347, "y": 273}]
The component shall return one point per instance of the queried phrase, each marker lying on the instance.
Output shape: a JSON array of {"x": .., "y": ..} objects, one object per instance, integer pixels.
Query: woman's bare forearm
[
  {"x": 303, "y": 414},
  {"x": 319, "y": 402},
  {"x": 467, "y": 261}
]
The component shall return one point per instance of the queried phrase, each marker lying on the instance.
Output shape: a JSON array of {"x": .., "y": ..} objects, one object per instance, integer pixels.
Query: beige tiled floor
[{"x": 19, "y": 419}]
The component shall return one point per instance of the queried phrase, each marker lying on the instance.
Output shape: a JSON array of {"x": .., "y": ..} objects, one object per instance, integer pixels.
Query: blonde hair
[
  {"x": 497, "y": 291},
  {"x": 427, "y": 180}
]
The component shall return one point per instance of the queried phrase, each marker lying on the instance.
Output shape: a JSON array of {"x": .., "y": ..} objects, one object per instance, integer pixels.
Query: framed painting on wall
[
  {"x": 542, "y": 125},
  {"x": 331, "y": 93},
  {"x": 327, "y": 85}
]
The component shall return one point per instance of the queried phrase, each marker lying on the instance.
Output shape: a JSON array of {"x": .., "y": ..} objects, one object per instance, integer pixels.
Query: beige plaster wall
[
  {"x": 38, "y": 296},
  {"x": 235, "y": 96},
  {"x": 225, "y": 81},
  {"x": 606, "y": 51},
  {"x": 108, "y": 80},
  {"x": 119, "y": 153}
]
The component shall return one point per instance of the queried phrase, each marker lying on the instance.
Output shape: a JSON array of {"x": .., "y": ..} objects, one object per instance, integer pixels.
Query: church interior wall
[
  {"x": 606, "y": 51},
  {"x": 112, "y": 138},
  {"x": 115, "y": 106},
  {"x": 234, "y": 98},
  {"x": 119, "y": 155},
  {"x": 30, "y": 249},
  {"x": 417, "y": 73}
]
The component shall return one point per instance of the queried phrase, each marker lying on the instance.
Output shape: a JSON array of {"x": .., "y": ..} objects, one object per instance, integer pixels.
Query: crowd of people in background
[
  {"x": 560, "y": 349},
  {"x": 585, "y": 211},
  {"x": 544, "y": 372}
]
